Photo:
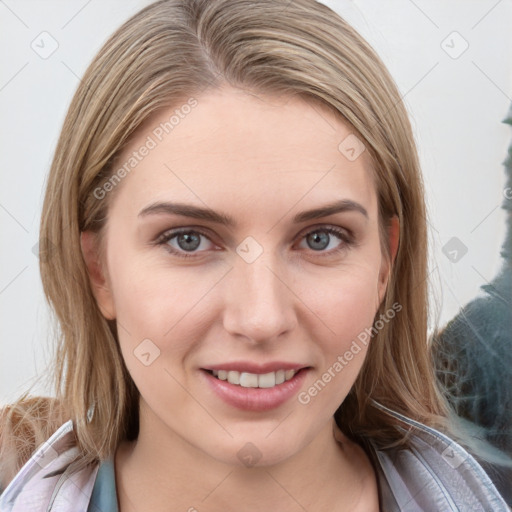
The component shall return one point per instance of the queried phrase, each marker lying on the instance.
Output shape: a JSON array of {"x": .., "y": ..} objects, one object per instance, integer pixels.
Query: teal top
[{"x": 104, "y": 498}]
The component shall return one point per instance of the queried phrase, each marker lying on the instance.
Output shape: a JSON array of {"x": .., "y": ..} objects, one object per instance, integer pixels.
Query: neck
[{"x": 161, "y": 468}]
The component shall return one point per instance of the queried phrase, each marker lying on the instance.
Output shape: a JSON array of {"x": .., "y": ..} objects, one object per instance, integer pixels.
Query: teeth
[
  {"x": 280, "y": 376},
  {"x": 253, "y": 380},
  {"x": 248, "y": 380},
  {"x": 234, "y": 377},
  {"x": 288, "y": 374},
  {"x": 267, "y": 380}
]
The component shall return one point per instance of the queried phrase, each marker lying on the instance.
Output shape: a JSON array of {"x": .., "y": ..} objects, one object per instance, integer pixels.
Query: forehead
[{"x": 246, "y": 150}]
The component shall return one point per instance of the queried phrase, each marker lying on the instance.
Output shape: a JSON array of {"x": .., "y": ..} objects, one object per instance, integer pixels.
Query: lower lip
[{"x": 256, "y": 399}]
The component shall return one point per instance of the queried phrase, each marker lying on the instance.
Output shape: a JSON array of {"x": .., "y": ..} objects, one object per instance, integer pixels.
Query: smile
[
  {"x": 254, "y": 380},
  {"x": 256, "y": 392}
]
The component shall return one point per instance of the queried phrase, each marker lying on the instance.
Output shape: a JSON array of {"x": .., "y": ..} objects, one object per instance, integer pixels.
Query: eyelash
[{"x": 344, "y": 236}]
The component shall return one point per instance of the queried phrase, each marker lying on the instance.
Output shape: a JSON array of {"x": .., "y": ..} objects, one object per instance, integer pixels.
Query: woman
[{"x": 239, "y": 275}]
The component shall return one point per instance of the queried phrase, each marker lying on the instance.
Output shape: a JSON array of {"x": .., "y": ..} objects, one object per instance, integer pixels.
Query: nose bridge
[{"x": 258, "y": 306}]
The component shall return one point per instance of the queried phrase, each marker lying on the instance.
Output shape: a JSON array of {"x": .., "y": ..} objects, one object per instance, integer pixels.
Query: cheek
[
  {"x": 351, "y": 318},
  {"x": 344, "y": 300},
  {"x": 158, "y": 326},
  {"x": 167, "y": 305},
  {"x": 346, "y": 310},
  {"x": 174, "y": 305}
]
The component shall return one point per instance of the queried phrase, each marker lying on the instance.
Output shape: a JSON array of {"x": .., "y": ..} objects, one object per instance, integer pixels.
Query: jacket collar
[
  {"x": 48, "y": 481},
  {"x": 431, "y": 473}
]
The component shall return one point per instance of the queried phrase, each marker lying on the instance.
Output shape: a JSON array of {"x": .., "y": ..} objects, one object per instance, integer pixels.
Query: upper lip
[{"x": 252, "y": 367}]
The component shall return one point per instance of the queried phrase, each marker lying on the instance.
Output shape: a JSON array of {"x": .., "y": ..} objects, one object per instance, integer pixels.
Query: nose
[{"x": 259, "y": 307}]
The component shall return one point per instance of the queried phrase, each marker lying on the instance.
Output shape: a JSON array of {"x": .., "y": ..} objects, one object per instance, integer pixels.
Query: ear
[
  {"x": 387, "y": 262},
  {"x": 98, "y": 275}
]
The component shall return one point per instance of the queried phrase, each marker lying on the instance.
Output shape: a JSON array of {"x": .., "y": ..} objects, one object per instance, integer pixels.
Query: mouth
[{"x": 262, "y": 389}]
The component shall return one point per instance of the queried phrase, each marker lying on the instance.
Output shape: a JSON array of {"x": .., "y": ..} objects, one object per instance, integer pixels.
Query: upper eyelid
[
  {"x": 318, "y": 227},
  {"x": 172, "y": 232}
]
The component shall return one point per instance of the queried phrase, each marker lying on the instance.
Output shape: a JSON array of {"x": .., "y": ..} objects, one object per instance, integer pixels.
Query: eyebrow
[{"x": 207, "y": 214}]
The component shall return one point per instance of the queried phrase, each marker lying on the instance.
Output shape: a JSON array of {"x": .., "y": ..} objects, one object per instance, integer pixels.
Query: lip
[
  {"x": 252, "y": 367},
  {"x": 255, "y": 399}
]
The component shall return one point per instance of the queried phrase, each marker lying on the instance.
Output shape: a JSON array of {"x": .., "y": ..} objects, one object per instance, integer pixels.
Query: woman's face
[{"x": 220, "y": 262}]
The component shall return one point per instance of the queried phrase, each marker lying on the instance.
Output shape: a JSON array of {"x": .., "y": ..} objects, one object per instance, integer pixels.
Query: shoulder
[
  {"x": 24, "y": 425},
  {"x": 432, "y": 472},
  {"x": 52, "y": 479}
]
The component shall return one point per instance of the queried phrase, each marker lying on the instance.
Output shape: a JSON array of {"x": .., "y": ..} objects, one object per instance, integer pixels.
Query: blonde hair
[{"x": 170, "y": 51}]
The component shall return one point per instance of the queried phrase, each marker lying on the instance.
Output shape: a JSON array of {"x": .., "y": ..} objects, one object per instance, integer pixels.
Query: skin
[{"x": 260, "y": 160}]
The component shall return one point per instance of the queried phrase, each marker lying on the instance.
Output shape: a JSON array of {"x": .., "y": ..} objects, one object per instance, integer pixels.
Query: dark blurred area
[{"x": 473, "y": 357}]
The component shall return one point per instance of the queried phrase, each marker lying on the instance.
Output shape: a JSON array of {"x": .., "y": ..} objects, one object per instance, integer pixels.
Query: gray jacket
[{"x": 431, "y": 474}]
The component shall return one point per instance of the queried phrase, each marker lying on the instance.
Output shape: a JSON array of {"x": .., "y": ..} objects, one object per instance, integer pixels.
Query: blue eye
[
  {"x": 188, "y": 243},
  {"x": 184, "y": 241},
  {"x": 330, "y": 238}
]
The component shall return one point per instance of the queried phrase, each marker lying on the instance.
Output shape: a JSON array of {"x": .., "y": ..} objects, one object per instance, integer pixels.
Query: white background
[{"x": 456, "y": 106}]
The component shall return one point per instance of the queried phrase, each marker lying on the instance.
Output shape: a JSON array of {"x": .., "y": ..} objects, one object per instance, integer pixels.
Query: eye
[
  {"x": 327, "y": 239},
  {"x": 181, "y": 242},
  {"x": 188, "y": 242}
]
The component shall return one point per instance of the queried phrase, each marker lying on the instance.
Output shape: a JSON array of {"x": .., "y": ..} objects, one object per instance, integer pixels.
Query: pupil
[
  {"x": 189, "y": 241},
  {"x": 318, "y": 240}
]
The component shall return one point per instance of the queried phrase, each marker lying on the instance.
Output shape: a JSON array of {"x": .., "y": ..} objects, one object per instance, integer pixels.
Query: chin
[{"x": 255, "y": 449}]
